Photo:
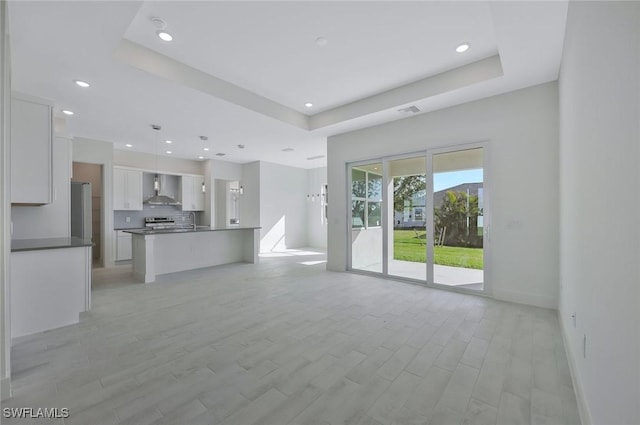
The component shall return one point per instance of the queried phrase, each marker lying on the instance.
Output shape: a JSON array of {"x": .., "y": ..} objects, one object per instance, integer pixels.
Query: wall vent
[{"x": 413, "y": 109}]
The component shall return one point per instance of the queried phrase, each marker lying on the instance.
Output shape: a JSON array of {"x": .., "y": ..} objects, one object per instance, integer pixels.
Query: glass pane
[
  {"x": 358, "y": 183},
  {"x": 407, "y": 248},
  {"x": 374, "y": 210},
  {"x": 374, "y": 187},
  {"x": 366, "y": 218},
  {"x": 357, "y": 214},
  {"x": 457, "y": 211}
]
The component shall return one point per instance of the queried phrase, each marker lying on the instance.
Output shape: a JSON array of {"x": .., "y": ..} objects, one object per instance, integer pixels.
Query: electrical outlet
[
  {"x": 128, "y": 219},
  {"x": 573, "y": 320}
]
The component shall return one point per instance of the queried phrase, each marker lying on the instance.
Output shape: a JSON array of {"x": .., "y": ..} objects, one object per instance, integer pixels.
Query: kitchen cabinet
[
  {"x": 123, "y": 245},
  {"x": 127, "y": 189},
  {"x": 50, "y": 283},
  {"x": 192, "y": 196},
  {"x": 31, "y": 152}
]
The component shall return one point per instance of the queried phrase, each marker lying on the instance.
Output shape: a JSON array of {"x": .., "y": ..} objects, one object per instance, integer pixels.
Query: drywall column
[
  {"x": 599, "y": 186},
  {"x": 5, "y": 205}
]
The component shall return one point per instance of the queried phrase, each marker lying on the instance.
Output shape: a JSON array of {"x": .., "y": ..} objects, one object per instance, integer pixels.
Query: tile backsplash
[{"x": 136, "y": 218}]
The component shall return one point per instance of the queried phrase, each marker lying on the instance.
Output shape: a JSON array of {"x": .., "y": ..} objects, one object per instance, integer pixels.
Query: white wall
[
  {"x": 316, "y": 226},
  {"x": 5, "y": 204},
  {"x": 98, "y": 152},
  {"x": 52, "y": 220},
  {"x": 522, "y": 133},
  {"x": 600, "y": 183},
  {"x": 283, "y": 208},
  {"x": 165, "y": 164}
]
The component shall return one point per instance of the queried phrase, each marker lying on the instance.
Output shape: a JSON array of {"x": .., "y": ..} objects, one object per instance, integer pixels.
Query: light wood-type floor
[{"x": 287, "y": 343}]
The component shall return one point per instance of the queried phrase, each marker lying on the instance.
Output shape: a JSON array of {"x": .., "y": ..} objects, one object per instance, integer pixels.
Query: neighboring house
[{"x": 415, "y": 212}]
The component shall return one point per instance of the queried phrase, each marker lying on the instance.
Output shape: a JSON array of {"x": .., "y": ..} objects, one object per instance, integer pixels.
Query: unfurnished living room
[{"x": 320, "y": 212}]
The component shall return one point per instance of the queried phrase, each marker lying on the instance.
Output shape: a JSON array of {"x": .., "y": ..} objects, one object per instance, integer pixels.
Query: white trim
[
  {"x": 430, "y": 222},
  {"x": 583, "y": 406},
  {"x": 526, "y": 298},
  {"x": 384, "y": 211}
]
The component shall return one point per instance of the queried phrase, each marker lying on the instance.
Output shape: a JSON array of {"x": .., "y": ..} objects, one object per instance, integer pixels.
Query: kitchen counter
[
  {"x": 149, "y": 231},
  {"x": 50, "y": 286},
  {"x": 162, "y": 251},
  {"x": 18, "y": 245}
]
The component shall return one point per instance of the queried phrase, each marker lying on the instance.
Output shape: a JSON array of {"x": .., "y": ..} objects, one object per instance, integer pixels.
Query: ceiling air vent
[
  {"x": 413, "y": 109},
  {"x": 311, "y": 158},
  {"x": 220, "y": 154}
]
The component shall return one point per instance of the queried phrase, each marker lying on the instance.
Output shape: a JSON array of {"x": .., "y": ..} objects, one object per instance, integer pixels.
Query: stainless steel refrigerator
[{"x": 81, "y": 210}]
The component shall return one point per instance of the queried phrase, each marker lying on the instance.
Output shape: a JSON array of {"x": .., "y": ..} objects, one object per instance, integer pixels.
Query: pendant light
[{"x": 158, "y": 198}]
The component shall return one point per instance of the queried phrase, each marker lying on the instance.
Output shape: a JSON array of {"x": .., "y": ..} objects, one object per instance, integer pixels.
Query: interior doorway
[{"x": 93, "y": 173}]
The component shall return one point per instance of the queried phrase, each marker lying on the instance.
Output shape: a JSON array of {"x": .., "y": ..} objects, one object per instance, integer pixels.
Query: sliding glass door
[
  {"x": 408, "y": 237},
  {"x": 456, "y": 218},
  {"x": 421, "y": 217}
]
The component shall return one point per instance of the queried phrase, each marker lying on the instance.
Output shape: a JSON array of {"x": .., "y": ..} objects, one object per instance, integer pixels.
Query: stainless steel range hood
[{"x": 160, "y": 197}]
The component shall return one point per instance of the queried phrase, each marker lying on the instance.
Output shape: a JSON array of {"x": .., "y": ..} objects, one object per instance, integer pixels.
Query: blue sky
[{"x": 453, "y": 178}]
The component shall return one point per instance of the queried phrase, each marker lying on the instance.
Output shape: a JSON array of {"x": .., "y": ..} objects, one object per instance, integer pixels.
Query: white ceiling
[{"x": 240, "y": 72}]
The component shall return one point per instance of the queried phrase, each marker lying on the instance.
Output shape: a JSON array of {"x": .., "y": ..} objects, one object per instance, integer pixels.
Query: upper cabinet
[
  {"x": 193, "y": 198},
  {"x": 127, "y": 189},
  {"x": 31, "y": 154}
]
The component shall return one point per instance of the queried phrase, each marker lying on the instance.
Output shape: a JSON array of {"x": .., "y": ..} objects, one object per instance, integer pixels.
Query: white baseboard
[
  {"x": 5, "y": 388},
  {"x": 583, "y": 407},
  {"x": 525, "y": 298}
]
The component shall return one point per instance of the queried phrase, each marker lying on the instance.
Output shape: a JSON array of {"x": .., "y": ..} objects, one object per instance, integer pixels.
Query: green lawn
[{"x": 407, "y": 247}]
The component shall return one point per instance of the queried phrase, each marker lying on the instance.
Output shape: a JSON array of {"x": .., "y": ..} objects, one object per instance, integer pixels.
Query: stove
[{"x": 160, "y": 222}]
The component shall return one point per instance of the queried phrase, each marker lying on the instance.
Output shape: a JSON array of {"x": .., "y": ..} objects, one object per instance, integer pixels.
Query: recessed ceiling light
[
  {"x": 67, "y": 112},
  {"x": 205, "y": 149},
  {"x": 200, "y": 157},
  {"x": 308, "y": 104},
  {"x": 168, "y": 141},
  {"x": 129, "y": 145},
  {"x": 169, "y": 152},
  {"x": 462, "y": 48},
  {"x": 81, "y": 83},
  {"x": 164, "y": 35}
]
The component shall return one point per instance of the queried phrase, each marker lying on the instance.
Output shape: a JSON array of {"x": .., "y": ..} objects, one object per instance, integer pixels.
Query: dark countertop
[
  {"x": 184, "y": 230},
  {"x": 18, "y": 245}
]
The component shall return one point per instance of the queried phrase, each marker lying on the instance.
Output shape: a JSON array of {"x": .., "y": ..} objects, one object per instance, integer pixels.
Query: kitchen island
[{"x": 157, "y": 252}]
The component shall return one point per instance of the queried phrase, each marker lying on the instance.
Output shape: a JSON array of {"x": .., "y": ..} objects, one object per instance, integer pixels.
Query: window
[{"x": 366, "y": 198}]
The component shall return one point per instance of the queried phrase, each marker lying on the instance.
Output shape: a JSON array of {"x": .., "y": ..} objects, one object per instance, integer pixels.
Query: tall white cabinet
[
  {"x": 192, "y": 196},
  {"x": 31, "y": 151},
  {"x": 127, "y": 189}
]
